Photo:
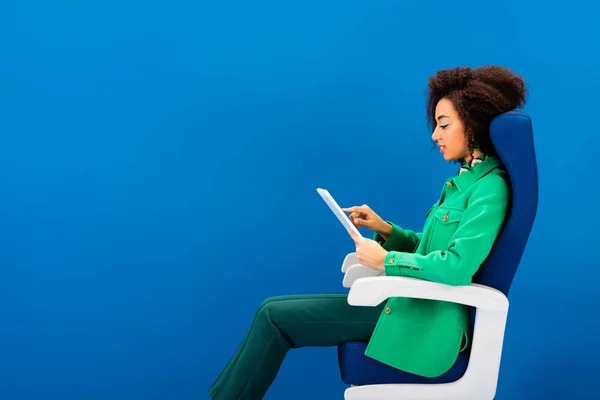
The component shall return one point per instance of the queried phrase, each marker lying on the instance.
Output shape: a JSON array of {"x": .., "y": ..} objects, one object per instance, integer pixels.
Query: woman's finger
[
  {"x": 357, "y": 209},
  {"x": 354, "y": 236},
  {"x": 354, "y": 217}
]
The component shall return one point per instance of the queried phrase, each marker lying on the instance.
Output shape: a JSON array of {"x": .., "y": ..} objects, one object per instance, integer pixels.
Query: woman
[{"x": 418, "y": 336}]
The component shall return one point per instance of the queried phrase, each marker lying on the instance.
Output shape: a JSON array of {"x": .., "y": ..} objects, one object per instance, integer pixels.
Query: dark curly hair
[{"x": 478, "y": 95}]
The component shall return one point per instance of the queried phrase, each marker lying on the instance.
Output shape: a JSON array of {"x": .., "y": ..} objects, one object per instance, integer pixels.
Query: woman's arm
[
  {"x": 399, "y": 239},
  {"x": 389, "y": 235},
  {"x": 469, "y": 246}
]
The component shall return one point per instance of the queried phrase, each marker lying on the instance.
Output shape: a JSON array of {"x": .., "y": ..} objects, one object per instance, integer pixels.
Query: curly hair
[{"x": 478, "y": 95}]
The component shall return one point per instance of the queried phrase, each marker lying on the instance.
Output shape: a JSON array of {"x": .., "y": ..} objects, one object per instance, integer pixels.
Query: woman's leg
[{"x": 283, "y": 323}]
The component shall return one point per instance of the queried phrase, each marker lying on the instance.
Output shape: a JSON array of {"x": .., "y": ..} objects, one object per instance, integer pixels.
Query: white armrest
[
  {"x": 350, "y": 260},
  {"x": 358, "y": 271},
  {"x": 371, "y": 291}
]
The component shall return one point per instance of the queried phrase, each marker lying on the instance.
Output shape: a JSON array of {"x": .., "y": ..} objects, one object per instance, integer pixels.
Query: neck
[{"x": 476, "y": 154}]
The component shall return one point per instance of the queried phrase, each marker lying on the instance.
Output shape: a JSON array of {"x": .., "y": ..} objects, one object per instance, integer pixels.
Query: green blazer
[{"x": 421, "y": 336}]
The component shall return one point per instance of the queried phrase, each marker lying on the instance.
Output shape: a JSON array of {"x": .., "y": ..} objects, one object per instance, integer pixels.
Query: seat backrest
[{"x": 512, "y": 136}]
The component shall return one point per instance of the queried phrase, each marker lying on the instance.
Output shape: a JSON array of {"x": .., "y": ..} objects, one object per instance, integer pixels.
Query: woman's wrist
[{"x": 385, "y": 230}]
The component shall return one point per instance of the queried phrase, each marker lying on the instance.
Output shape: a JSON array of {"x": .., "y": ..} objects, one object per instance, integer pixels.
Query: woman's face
[{"x": 449, "y": 132}]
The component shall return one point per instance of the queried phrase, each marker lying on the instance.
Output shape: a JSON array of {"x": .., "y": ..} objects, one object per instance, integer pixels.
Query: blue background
[{"x": 159, "y": 162}]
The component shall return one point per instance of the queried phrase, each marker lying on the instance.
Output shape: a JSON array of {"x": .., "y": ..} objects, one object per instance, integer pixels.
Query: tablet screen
[{"x": 337, "y": 210}]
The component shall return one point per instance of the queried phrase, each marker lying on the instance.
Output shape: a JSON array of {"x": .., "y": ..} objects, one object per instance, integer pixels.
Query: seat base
[{"x": 357, "y": 369}]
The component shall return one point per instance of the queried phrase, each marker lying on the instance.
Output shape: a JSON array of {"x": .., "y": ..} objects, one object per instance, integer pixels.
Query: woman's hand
[
  {"x": 364, "y": 216},
  {"x": 369, "y": 252}
]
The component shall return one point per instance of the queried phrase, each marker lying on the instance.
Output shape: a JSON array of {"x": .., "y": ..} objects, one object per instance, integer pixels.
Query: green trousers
[{"x": 289, "y": 322}]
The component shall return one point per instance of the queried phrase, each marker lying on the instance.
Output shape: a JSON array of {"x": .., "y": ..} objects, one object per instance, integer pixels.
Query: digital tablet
[{"x": 337, "y": 211}]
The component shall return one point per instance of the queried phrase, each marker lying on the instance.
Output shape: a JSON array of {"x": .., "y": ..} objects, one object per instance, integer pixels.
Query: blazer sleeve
[
  {"x": 468, "y": 247},
  {"x": 400, "y": 239}
]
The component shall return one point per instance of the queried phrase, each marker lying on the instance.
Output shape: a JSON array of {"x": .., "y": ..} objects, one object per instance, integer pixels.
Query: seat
[{"x": 475, "y": 373}]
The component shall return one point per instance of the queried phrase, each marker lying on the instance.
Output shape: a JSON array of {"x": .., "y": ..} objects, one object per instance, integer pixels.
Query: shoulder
[{"x": 494, "y": 185}]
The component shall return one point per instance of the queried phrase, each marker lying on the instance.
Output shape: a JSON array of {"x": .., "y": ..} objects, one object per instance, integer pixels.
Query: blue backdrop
[{"x": 159, "y": 162}]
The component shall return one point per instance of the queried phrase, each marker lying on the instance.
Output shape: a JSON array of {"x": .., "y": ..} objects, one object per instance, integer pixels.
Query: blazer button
[
  {"x": 387, "y": 310},
  {"x": 391, "y": 261},
  {"x": 445, "y": 218},
  {"x": 449, "y": 183}
]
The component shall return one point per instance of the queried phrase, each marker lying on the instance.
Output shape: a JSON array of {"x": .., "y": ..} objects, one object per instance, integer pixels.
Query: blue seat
[
  {"x": 356, "y": 369},
  {"x": 512, "y": 136}
]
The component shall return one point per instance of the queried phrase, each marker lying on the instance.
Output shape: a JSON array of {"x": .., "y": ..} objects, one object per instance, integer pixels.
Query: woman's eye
[{"x": 443, "y": 126}]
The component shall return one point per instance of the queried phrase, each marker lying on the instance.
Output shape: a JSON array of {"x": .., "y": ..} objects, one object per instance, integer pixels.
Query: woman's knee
[
  {"x": 273, "y": 308},
  {"x": 268, "y": 304},
  {"x": 272, "y": 299}
]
